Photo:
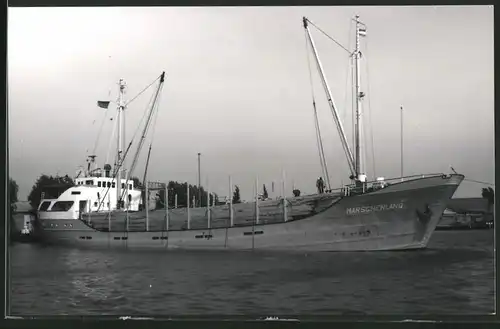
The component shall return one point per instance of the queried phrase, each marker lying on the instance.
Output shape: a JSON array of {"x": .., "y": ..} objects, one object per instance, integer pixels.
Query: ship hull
[{"x": 401, "y": 216}]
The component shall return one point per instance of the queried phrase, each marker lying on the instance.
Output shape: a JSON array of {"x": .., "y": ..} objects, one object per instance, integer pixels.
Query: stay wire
[
  {"x": 347, "y": 74},
  {"x": 99, "y": 133},
  {"x": 140, "y": 93},
  {"x": 479, "y": 182},
  {"x": 321, "y": 153},
  {"x": 329, "y": 37}
]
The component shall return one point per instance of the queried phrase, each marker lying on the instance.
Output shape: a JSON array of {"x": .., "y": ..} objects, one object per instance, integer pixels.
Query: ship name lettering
[{"x": 374, "y": 208}]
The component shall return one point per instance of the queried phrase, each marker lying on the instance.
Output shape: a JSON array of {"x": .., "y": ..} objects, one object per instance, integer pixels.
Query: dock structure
[
  {"x": 466, "y": 213},
  {"x": 22, "y": 220},
  {"x": 156, "y": 186}
]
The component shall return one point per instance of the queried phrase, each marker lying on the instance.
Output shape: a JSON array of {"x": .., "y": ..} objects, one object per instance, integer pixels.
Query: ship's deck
[{"x": 270, "y": 211}]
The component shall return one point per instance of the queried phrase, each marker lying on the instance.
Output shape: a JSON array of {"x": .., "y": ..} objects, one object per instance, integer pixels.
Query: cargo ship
[{"x": 105, "y": 209}]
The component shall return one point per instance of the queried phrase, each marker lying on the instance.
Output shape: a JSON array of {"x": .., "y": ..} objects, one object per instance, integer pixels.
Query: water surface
[{"x": 455, "y": 275}]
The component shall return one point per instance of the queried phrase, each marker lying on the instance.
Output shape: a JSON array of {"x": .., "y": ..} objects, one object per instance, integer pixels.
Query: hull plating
[{"x": 401, "y": 216}]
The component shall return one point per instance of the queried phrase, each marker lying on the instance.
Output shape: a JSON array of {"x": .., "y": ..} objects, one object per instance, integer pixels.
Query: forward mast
[{"x": 355, "y": 162}]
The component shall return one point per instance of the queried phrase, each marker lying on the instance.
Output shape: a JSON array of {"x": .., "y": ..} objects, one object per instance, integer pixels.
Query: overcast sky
[{"x": 238, "y": 91}]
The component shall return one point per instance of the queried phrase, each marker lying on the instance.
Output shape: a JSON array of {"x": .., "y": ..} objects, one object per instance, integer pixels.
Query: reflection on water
[
  {"x": 91, "y": 277},
  {"x": 454, "y": 276}
]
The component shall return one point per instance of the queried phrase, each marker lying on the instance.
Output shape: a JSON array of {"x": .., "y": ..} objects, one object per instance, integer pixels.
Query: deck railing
[{"x": 350, "y": 189}]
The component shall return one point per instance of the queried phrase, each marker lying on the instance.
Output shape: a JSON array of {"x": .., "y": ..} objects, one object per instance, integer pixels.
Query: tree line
[
  {"x": 50, "y": 187},
  {"x": 197, "y": 194}
]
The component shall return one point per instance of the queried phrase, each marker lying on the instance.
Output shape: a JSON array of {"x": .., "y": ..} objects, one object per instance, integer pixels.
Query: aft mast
[{"x": 120, "y": 144}]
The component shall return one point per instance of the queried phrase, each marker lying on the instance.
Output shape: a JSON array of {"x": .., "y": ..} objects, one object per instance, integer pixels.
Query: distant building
[
  {"x": 467, "y": 212},
  {"x": 23, "y": 216}
]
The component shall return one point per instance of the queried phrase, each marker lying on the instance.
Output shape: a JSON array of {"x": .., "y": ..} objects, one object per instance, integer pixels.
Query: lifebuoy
[{"x": 443, "y": 176}]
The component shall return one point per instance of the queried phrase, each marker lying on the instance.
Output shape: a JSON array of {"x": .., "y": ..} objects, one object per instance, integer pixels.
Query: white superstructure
[{"x": 90, "y": 194}]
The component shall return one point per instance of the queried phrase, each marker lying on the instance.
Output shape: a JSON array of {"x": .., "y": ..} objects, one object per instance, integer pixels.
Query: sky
[{"x": 238, "y": 90}]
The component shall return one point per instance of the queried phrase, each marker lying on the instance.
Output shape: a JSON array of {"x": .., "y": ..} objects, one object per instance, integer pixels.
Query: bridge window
[
  {"x": 113, "y": 185},
  {"x": 62, "y": 206},
  {"x": 109, "y": 184},
  {"x": 89, "y": 182},
  {"x": 123, "y": 185},
  {"x": 45, "y": 205},
  {"x": 75, "y": 192},
  {"x": 99, "y": 184}
]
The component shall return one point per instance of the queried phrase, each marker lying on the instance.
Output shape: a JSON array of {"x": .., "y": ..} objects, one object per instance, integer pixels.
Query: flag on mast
[
  {"x": 362, "y": 31},
  {"x": 103, "y": 104}
]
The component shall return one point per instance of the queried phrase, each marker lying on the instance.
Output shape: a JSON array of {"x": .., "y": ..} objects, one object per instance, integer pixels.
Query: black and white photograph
[{"x": 260, "y": 161}]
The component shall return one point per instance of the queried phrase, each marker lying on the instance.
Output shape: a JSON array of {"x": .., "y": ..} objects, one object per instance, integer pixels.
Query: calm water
[{"x": 455, "y": 275}]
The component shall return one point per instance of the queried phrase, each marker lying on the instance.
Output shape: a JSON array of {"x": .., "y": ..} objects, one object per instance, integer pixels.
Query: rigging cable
[
  {"x": 145, "y": 112},
  {"x": 140, "y": 93},
  {"x": 152, "y": 138},
  {"x": 140, "y": 122},
  {"x": 118, "y": 165},
  {"x": 148, "y": 106},
  {"x": 155, "y": 118},
  {"x": 351, "y": 54},
  {"x": 324, "y": 168},
  {"x": 314, "y": 107},
  {"x": 106, "y": 162},
  {"x": 347, "y": 74},
  {"x": 479, "y": 182},
  {"x": 338, "y": 43},
  {"x": 320, "y": 146},
  {"x": 370, "y": 112},
  {"x": 111, "y": 140},
  {"x": 115, "y": 172},
  {"x": 103, "y": 121},
  {"x": 349, "y": 70},
  {"x": 146, "y": 127},
  {"x": 99, "y": 133},
  {"x": 135, "y": 133},
  {"x": 363, "y": 131}
]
